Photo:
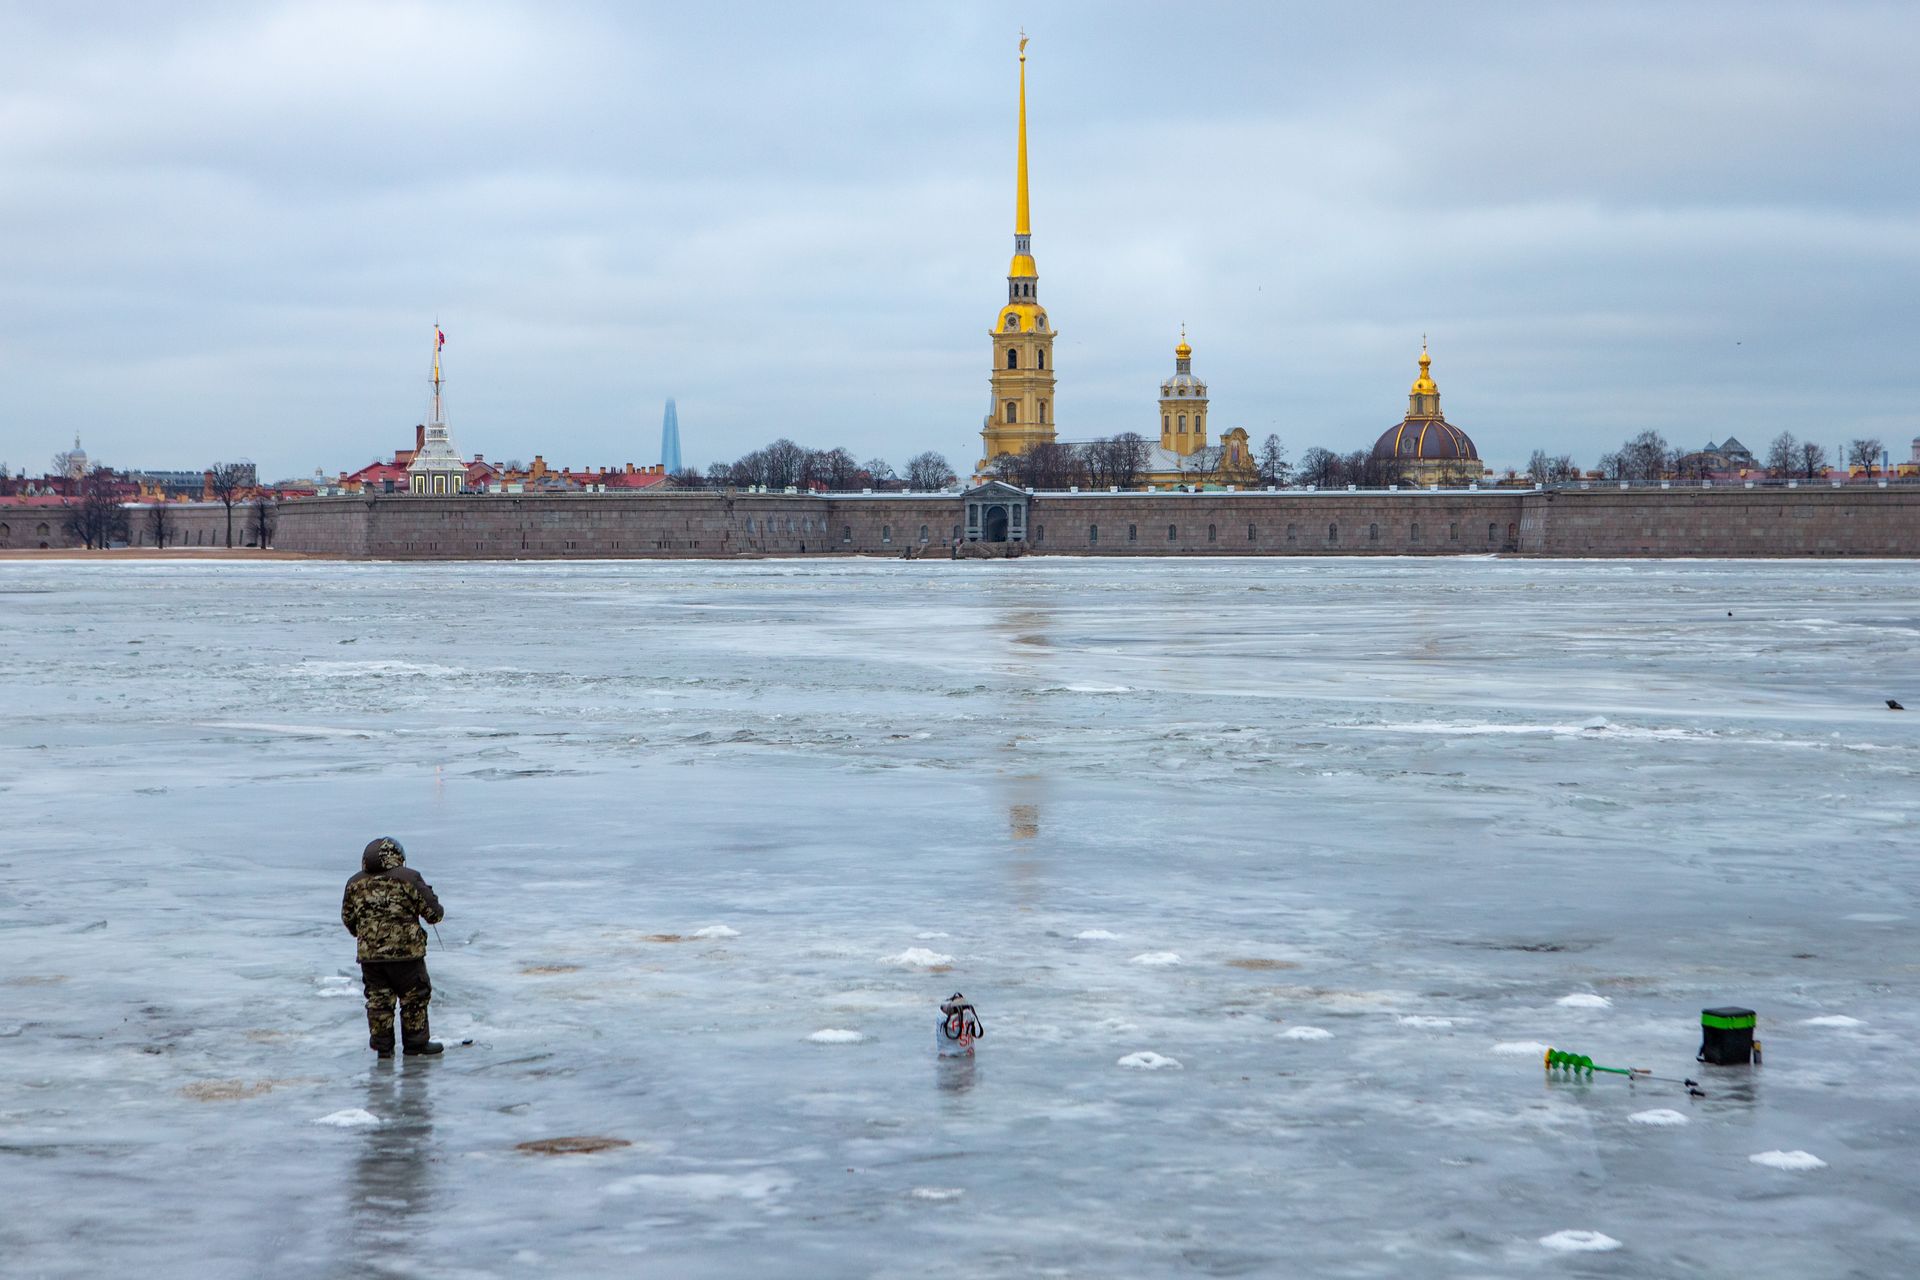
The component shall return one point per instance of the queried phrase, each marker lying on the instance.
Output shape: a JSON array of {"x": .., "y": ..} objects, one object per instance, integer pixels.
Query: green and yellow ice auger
[{"x": 1580, "y": 1066}]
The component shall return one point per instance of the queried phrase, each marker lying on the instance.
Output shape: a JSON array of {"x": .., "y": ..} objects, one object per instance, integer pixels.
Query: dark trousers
[{"x": 387, "y": 981}]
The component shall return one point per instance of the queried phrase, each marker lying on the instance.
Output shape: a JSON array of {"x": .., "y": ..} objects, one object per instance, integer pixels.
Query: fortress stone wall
[{"x": 1811, "y": 521}]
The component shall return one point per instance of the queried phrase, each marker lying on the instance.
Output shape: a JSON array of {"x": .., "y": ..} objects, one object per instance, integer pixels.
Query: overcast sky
[{"x": 226, "y": 231}]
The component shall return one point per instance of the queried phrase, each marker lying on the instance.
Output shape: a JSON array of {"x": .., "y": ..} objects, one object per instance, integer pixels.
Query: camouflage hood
[{"x": 383, "y": 854}]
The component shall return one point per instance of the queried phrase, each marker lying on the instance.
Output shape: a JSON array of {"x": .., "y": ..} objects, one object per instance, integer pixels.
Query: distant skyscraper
[{"x": 670, "y": 440}]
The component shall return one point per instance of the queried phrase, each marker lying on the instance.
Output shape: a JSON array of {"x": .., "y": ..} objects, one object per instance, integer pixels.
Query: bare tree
[
  {"x": 1813, "y": 460},
  {"x": 159, "y": 523},
  {"x": 929, "y": 471},
  {"x": 1318, "y": 467},
  {"x": 1272, "y": 461},
  {"x": 1008, "y": 469},
  {"x": 1783, "y": 456},
  {"x": 67, "y": 463},
  {"x": 719, "y": 475},
  {"x": 228, "y": 481},
  {"x": 94, "y": 515},
  {"x": 1641, "y": 460},
  {"x": 1047, "y": 465},
  {"x": 261, "y": 518},
  {"x": 836, "y": 469},
  {"x": 1127, "y": 456},
  {"x": 687, "y": 478},
  {"x": 1865, "y": 453},
  {"x": 1201, "y": 465},
  {"x": 880, "y": 474}
]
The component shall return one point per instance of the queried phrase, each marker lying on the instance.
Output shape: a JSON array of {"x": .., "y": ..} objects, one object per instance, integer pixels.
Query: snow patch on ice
[
  {"x": 760, "y": 1184},
  {"x": 918, "y": 958},
  {"x": 1156, "y": 958},
  {"x": 1306, "y": 1033},
  {"x": 1832, "y": 1020},
  {"x": 1795, "y": 1161},
  {"x": 1874, "y": 917},
  {"x": 716, "y": 931},
  {"x": 1658, "y": 1116},
  {"x": 1147, "y": 1060},
  {"x": 836, "y": 1035},
  {"x": 1584, "y": 1000},
  {"x": 936, "y": 1194},
  {"x": 1579, "y": 1242},
  {"x": 1421, "y": 1020},
  {"x": 1522, "y": 1048},
  {"x": 931, "y": 935},
  {"x": 351, "y": 1118},
  {"x": 1096, "y": 935}
]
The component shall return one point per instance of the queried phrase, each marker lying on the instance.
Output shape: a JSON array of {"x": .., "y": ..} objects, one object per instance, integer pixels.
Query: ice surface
[
  {"x": 1342, "y": 792},
  {"x": 1306, "y": 1033},
  {"x": 836, "y": 1035}
]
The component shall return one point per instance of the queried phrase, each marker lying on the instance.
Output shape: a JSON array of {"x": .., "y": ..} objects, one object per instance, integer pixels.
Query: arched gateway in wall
[{"x": 996, "y": 512}]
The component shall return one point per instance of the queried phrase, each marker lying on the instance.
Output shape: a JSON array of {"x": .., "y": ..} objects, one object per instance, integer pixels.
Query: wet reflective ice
[{"x": 1271, "y": 881}]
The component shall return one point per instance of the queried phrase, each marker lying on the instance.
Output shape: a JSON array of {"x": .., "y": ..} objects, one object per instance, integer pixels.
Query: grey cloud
[{"x": 228, "y": 228}]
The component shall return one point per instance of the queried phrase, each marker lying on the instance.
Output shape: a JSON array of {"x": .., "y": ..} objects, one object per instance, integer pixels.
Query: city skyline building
[
  {"x": 670, "y": 439},
  {"x": 436, "y": 466}
]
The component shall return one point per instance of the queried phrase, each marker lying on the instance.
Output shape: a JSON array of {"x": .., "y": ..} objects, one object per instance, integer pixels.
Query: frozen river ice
[{"x": 1270, "y": 878}]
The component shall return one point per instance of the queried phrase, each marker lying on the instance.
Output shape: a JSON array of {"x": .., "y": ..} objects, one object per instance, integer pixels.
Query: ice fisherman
[{"x": 383, "y": 907}]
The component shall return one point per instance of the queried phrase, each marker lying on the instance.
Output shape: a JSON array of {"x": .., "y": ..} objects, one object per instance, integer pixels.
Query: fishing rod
[{"x": 1579, "y": 1066}]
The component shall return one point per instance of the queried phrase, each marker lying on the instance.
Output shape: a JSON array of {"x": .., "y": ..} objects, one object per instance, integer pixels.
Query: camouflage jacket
[{"x": 383, "y": 907}]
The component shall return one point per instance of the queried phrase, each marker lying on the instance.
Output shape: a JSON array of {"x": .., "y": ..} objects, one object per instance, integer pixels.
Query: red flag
[{"x": 439, "y": 338}]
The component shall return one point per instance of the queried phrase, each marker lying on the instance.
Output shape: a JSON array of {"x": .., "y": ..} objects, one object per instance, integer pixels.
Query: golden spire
[
  {"x": 1183, "y": 351},
  {"x": 1021, "y": 223},
  {"x": 1424, "y": 384}
]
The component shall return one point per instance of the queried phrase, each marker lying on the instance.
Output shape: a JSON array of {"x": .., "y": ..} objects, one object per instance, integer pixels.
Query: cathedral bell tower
[
  {"x": 1020, "y": 413},
  {"x": 1183, "y": 405}
]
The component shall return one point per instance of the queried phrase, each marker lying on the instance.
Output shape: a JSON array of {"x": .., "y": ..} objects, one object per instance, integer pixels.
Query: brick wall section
[
  {"x": 1858, "y": 520},
  {"x": 1815, "y": 520},
  {"x": 1266, "y": 524}
]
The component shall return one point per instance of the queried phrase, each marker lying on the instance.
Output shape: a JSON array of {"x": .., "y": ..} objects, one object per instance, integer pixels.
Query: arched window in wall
[
  {"x": 1043, "y": 412},
  {"x": 1013, "y": 358},
  {"x": 1493, "y": 533},
  {"x": 1210, "y": 533},
  {"x": 1333, "y": 533},
  {"x": 1293, "y": 531},
  {"x": 1093, "y": 533},
  {"x": 1183, "y": 418},
  {"x": 1166, "y": 423},
  {"x": 1013, "y": 411},
  {"x": 1173, "y": 532},
  {"x": 1413, "y": 532},
  {"x": 1040, "y": 358}
]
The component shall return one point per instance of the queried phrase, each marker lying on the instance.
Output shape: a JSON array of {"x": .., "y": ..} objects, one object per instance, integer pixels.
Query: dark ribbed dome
[{"x": 1425, "y": 440}]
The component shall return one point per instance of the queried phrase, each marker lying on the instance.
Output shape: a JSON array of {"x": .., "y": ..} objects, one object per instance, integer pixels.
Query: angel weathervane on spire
[{"x": 1023, "y": 44}]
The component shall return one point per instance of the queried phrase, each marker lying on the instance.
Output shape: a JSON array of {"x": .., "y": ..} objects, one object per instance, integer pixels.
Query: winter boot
[{"x": 424, "y": 1048}]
